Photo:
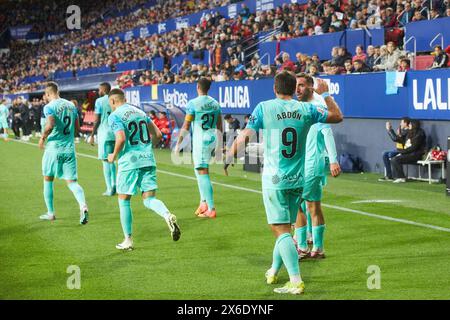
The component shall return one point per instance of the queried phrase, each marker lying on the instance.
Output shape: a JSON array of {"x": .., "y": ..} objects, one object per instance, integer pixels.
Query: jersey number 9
[{"x": 289, "y": 139}]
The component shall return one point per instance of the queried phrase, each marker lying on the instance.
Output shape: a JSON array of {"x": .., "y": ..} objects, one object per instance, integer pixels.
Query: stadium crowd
[{"x": 225, "y": 39}]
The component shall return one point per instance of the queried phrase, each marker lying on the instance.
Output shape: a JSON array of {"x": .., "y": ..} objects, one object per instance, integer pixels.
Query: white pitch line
[{"x": 230, "y": 186}]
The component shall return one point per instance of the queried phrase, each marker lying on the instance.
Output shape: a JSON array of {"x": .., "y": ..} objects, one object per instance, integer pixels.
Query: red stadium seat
[
  {"x": 424, "y": 62},
  {"x": 88, "y": 122}
]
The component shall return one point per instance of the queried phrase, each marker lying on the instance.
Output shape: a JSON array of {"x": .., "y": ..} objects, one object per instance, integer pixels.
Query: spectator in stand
[
  {"x": 244, "y": 13},
  {"x": 313, "y": 70},
  {"x": 390, "y": 64},
  {"x": 371, "y": 56},
  {"x": 300, "y": 65},
  {"x": 287, "y": 63},
  {"x": 434, "y": 14},
  {"x": 415, "y": 147},
  {"x": 348, "y": 66},
  {"x": 360, "y": 55},
  {"x": 343, "y": 55},
  {"x": 447, "y": 11},
  {"x": 440, "y": 58},
  {"x": 391, "y": 18},
  {"x": 417, "y": 16},
  {"x": 334, "y": 54},
  {"x": 404, "y": 65},
  {"x": 359, "y": 66}
]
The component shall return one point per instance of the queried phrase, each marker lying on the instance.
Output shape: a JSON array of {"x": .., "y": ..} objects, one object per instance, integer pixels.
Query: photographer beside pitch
[{"x": 285, "y": 123}]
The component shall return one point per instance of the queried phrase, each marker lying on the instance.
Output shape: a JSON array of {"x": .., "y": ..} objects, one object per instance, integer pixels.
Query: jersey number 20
[{"x": 141, "y": 127}]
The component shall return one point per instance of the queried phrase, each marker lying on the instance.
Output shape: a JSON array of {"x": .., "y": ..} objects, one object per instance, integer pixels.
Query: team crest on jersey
[
  {"x": 133, "y": 159},
  {"x": 321, "y": 110}
]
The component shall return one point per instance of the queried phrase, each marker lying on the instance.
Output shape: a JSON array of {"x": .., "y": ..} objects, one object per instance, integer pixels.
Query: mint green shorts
[
  {"x": 282, "y": 205},
  {"x": 105, "y": 148},
  {"x": 3, "y": 124},
  {"x": 202, "y": 152},
  {"x": 312, "y": 190},
  {"x": 143, "y": 178},
  {"x": 59, "y": 165}
]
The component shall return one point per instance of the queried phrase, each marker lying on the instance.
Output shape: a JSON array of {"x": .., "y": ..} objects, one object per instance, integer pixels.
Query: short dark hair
[
  {"x": 117, "y": 92},
  {"x": 227, "y": 116},
  {"x": 307, "y": 77},
  {"x": 107, "y": 86},
  {"x": 407, "y": 120},
  {"x": 285, "y": 83},
  {"x": 204, "y": 84},
  {"x": 53, "y": 86}
]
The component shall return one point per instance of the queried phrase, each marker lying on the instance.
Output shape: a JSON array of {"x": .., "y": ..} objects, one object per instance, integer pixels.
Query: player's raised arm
[
  {"x": 155, "y": 132},
  {"x": 334, "y": 112}
]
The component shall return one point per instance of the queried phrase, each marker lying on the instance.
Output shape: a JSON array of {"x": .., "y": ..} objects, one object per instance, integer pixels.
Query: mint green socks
[
  {"x": 288, "y": 253},
  {"x": 48, "y": 196},
  {"x": 277, "y": 262},
  {"x": 112, "y": 173},
  {"x": 317, "y": 232},
  {"x": 301, "y": 237},
  {"x": 202, "y": 197},
  {"x": 78, "y": 193},
  {"x": 126, "y": 217},
  {"x": 109, "y": 173},
  {"x": 157, "y": 205},
  {"x": 207, "y": 190},
  {"x": 308, "y": 217}
]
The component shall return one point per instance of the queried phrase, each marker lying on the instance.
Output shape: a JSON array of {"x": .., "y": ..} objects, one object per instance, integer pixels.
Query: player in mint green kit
[
  {"x": 4, "y": 112},
  {"x": 321, "y": 158},
  {"x": 134, "y": 132},
  {"x": 205, "y": 116},
  {"x": 105, "y": 137},
  {"x": 285, "y": 123},
  {"x": 59, "y": 158}
]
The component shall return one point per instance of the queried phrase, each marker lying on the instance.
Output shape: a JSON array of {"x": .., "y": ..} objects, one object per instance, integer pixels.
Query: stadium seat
[
  {"x": 424, "y": 62},
  {"x": 88, "y": 122}
]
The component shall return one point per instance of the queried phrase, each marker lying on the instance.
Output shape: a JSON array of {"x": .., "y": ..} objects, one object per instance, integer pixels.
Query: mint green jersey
[
  {"x": 319, "y": 136},
  {"x": 103, "y": 109},
  {"x": 3, "y": 112},
  {"x": 137, "y": 151},
  {"x": 61, "y": 138},
  {"x": 206, "y": 112},
  {"x": 285, "y": 125}
]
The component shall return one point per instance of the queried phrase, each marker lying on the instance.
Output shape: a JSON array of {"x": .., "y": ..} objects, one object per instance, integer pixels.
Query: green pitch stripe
[{"x": 359, "y": 212}]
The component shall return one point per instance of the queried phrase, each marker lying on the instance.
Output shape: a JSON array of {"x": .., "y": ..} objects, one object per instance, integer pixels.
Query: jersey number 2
[
  {"x": 67, "y": 123},
  {"x": 141, "y": 127},
  {"x": 208, "y": 121}
]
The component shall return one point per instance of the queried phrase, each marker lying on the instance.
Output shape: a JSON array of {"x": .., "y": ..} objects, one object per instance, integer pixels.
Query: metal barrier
[
  {"x": 415, "y": 48},
  {"x": 435, "y": 38}
]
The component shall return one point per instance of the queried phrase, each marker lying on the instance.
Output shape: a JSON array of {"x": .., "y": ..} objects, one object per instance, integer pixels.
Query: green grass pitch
[{"x": 215, "y": 259}]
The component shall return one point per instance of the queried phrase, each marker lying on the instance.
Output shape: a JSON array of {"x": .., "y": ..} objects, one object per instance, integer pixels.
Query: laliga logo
[
  {"x": 333, "y": 86},
  {"x": 432, "y": 95},
  {"x": 175, "y": 98}
]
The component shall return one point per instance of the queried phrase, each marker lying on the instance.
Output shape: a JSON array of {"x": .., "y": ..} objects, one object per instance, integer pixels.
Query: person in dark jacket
[
  {"x": 440, "y": 58},
  {"x": 415, "y": 146},
  {"x": 399, "y": 138}
]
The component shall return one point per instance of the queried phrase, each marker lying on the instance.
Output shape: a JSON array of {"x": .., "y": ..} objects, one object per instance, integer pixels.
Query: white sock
[{"x": 296, "y": 279}]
